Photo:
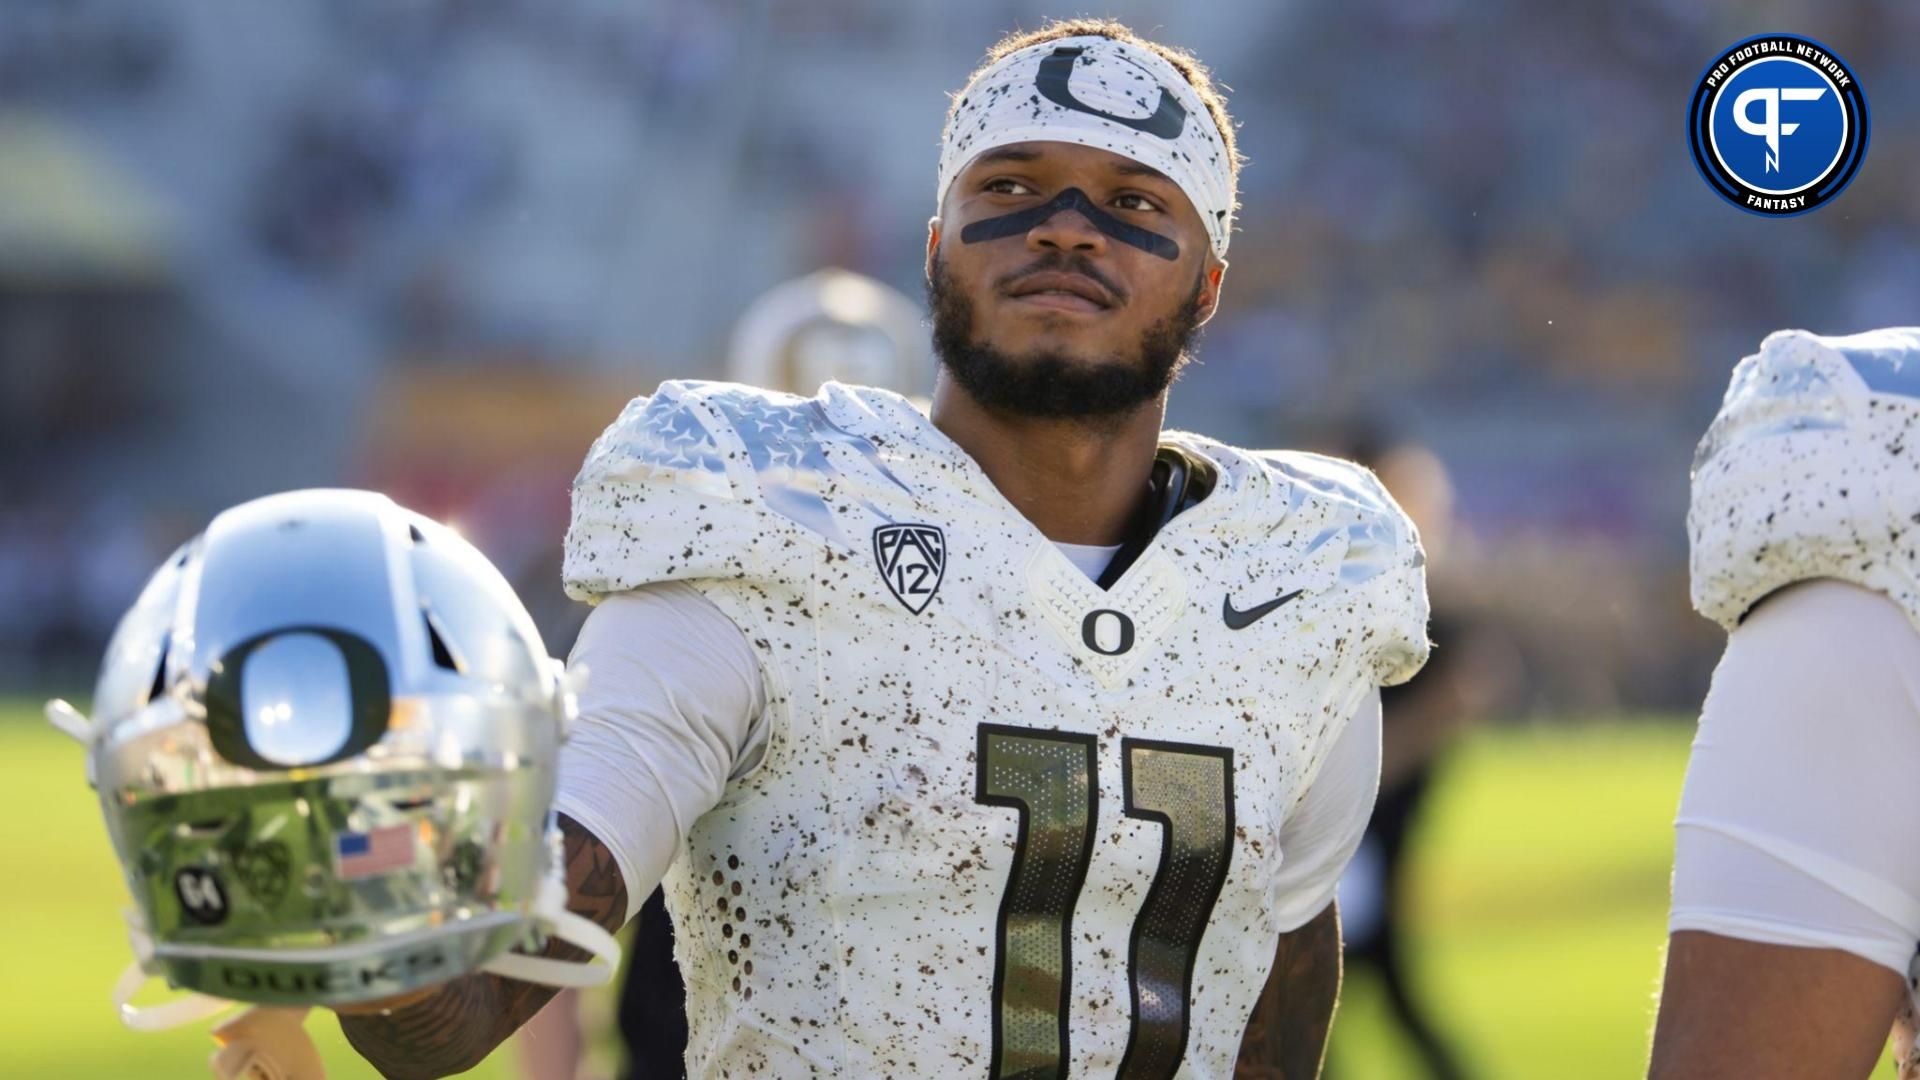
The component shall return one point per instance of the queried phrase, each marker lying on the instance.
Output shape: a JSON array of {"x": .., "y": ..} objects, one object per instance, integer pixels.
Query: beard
[{"x": 1051, "y": 385}]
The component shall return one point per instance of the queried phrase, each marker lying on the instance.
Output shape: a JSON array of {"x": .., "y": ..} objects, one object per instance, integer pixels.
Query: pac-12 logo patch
[
  {"x": 912, "y": 560},
  {"x": 1778, "y": 125}
]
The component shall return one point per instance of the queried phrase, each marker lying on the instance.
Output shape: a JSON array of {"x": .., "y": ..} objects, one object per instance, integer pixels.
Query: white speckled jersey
[
  {"x": 1811, "y": 470},
  {"x": 1007, "y": 823}
]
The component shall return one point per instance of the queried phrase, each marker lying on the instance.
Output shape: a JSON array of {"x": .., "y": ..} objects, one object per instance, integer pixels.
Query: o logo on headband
[{"x": 1056, "y": 71}]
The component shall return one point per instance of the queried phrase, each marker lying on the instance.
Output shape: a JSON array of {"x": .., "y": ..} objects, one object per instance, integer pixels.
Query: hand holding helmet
[{"x": 265, "y": 1043}]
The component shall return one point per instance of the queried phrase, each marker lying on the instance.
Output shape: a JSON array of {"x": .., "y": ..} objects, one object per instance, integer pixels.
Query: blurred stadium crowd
[{"x": 431, "y": 246}]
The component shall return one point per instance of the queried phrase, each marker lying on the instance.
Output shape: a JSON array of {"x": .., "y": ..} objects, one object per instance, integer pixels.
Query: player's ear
[
  {"x": 933, "y": 243},
  {"x": 1209, "y": 299}
]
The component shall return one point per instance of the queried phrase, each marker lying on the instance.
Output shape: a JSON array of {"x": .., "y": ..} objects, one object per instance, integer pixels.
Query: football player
[
  {"x": 1796, "y": 886},
  {"x": 831, "y": 325},
  {"x": 1025, "y": 739}
]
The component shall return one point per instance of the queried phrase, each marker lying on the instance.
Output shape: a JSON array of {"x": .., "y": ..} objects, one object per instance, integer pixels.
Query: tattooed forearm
[
  {"x": 446, "y": 1032},
  {"x": 452, "y": 1028},
  {"x": 1286, "y": 1037}
]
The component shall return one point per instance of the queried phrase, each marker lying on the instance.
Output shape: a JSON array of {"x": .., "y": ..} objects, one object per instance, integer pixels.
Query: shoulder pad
[
  {"x": 699, "y": 480},
  {"x": 1323, "y": 500},
  {"x": 1809, "y": 471}
]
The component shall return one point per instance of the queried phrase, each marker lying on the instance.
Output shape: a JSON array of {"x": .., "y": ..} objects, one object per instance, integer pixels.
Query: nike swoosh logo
[{"x": 1240, "y": 620}]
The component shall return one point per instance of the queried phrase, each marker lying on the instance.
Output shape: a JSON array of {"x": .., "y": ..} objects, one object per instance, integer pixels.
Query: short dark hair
[{"x": 1183, "y": 61}]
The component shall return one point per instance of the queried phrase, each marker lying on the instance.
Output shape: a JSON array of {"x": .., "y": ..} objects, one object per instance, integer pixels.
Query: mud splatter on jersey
[
  {"x": 1007, "y": 822},
  {"x": 1810, "y": 471}
]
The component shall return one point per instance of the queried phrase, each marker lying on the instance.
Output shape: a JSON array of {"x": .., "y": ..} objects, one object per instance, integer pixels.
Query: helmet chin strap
[
  {"x": 550, "y": 911},
  {"x": 71, "y": 722},
  {"x": 184, "y": 1009}
]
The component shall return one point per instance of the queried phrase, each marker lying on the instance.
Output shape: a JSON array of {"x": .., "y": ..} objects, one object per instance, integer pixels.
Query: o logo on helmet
[{"x": 337, "y": 716}]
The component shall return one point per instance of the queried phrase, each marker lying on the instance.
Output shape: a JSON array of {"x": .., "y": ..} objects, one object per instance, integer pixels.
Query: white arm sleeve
[
  {"x": 1800, "y": 820},
  {"x": 1319, "y": 838},
  {"x": 673, "y": 708}
]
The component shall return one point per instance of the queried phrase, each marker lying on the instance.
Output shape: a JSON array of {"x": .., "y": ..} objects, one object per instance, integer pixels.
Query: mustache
[{"x": 1062, "y": 262}]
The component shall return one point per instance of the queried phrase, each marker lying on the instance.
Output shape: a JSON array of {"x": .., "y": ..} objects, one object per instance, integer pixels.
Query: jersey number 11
[{"x": 1051, "y": 777}]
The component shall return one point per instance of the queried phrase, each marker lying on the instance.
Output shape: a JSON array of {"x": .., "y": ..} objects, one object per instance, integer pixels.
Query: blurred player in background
[
  {"x": 831, "y": 325},
  {"x": 1023, "y": 738},
  {"x": 1420, "y": 719},
  {"x": 1796, "y": 884}
]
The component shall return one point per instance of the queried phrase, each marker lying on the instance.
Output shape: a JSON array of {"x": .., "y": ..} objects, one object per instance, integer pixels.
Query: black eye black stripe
[{"x": 1022, "y": 221}]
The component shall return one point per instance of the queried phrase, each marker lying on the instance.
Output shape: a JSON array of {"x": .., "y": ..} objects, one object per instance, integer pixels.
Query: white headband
[{"x": 1099, "y": 92}]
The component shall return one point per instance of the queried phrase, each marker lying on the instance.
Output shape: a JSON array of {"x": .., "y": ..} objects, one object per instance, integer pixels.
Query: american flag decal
[{"x": 360, "y": 855}]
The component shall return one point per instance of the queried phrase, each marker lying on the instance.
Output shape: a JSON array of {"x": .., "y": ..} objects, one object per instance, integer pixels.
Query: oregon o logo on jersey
[{"x": 1778, "y": 125}]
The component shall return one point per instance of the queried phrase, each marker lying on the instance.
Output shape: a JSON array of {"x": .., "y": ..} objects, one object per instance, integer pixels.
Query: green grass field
[
  {"x": 1542, "y": 879},
  {"x": 1541, "y": 892}
]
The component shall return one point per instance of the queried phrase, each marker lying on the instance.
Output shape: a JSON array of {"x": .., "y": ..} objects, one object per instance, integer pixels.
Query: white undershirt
[
  {"x": 1092, "y": 559},
  {"x": 1800, "y": 820},
  {"x": 674, "y": 708}
]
